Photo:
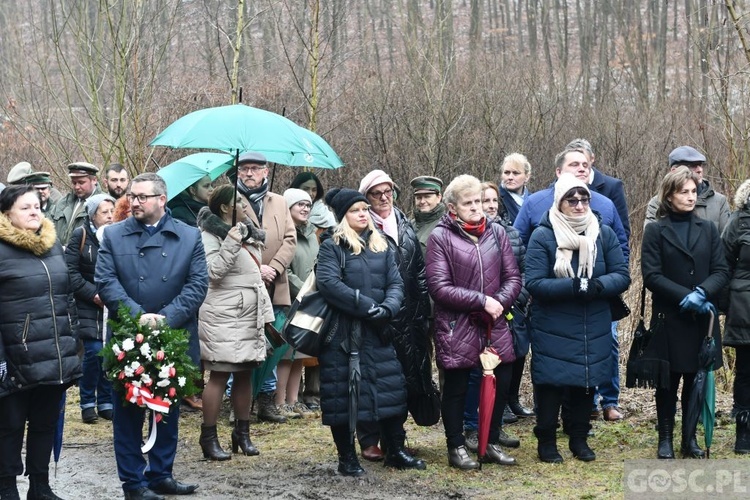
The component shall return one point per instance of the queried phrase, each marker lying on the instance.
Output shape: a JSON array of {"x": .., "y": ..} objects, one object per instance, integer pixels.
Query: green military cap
[{"x": 426, "y": 184}]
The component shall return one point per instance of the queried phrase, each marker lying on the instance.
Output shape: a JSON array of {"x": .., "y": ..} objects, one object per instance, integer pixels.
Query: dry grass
[{"x": 301, "y": 448}]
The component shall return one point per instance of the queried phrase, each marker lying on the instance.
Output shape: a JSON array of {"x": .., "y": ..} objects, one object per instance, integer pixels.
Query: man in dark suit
[{"x": 154, "y": 265}]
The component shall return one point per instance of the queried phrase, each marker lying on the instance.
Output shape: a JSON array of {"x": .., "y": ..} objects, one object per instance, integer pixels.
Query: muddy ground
[{"x": 298, "y": 461}]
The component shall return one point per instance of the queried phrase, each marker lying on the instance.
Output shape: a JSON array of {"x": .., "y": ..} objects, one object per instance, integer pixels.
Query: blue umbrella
[
  {"x": 183, "y": 173},
  {"x": 239, "y": 128}
]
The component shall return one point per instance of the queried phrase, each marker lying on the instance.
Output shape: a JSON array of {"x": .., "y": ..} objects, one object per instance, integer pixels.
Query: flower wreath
[{"x": 149, "y": 367}]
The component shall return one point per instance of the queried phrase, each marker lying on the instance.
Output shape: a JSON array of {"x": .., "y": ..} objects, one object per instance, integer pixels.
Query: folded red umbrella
[{"x": 489, "y": 359}]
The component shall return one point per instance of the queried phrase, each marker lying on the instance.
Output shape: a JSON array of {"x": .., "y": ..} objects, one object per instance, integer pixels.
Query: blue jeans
[
  {"x": 95, "y": 389},
  {"x": 269, "y": 384},
  {"x": 610, "y": 392},
  {"x": 471, "y": 407}
]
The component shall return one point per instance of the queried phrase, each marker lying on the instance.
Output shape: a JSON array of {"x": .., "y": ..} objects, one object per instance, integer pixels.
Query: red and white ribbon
[{"x": 143, "y": 397}]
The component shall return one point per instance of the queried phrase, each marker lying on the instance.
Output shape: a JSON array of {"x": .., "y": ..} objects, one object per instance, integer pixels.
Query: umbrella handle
[{"x": 710, "y": 323}]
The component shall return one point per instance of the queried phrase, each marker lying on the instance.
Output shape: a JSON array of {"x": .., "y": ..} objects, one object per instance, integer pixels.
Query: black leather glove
[
  {"x": 3, "y": 371},
  {"x": 378, "y": 314},
  {"x": 587, "y": 289}
]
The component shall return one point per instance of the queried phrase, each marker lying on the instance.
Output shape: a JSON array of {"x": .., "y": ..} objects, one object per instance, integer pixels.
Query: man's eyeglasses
[
  {"x": 253, "y": 169},
  {"x": 142, "y": 198},
  {"x": 379, "y": 194},
  {"x": 573, "y": 202},
  {"x": 304, "y": 204}
]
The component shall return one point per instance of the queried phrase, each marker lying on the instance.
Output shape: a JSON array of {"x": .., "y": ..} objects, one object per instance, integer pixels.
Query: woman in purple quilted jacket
[{"x": 473, "y": 278}]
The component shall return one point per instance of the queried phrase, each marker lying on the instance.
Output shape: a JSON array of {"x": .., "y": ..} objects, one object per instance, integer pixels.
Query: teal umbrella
[
  {"x": 183, "y": 173},
  {"x": 239, "y": 128}
]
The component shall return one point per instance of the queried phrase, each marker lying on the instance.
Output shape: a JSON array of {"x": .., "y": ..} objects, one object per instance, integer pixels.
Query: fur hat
[
  {"x": 340, "y": 200},
  {"x": 93, "y": 202},
  {"x": 373, "y": 179},
  {"x": 294, "y": 196},
  {"x": 565, "y": 183},
  {"x": 742, "y": 195}
]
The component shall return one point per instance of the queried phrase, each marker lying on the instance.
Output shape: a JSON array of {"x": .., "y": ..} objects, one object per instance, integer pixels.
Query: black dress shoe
[
  {"x": 519, "y": 410},
  {"x": 142, "y": 494},
  {"x": 508, "y": 416},
  {"x": 170, "y": 486}
]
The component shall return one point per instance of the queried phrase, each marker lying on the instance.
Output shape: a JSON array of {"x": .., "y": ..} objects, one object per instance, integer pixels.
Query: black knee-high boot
[
  {"x": 348, "y": 462},
  {"x": 665, "y": 420}
]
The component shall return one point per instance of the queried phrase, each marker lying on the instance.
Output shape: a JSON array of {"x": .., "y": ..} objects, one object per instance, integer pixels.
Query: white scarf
[{"x": 574, "y": 233}]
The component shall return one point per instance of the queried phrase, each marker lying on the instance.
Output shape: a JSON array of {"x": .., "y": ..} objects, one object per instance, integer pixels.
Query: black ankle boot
[
  {"x": 349, "y": 463},
  {"x": 39, "y": 488},
  {"x": 209, "y": 442},
  {"x": 547, "y": 446},
  {"x": 742, "y": 426},
  {"x": 579, "y": 447},
  {"x": 241, "y": 439},
  {"x": 665, "y": 449},
  {"x": 8, "y": 488},
  {"x": 398, "y": 457}
]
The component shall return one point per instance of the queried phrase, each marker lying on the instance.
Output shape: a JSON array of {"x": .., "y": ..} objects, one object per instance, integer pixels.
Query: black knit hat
[{"x": 341, "y": 199}]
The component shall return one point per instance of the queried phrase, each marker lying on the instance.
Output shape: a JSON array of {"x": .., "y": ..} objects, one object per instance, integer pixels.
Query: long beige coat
[
  {"x": 281, "y": 241},
  {"x": 237, "y": 306}
]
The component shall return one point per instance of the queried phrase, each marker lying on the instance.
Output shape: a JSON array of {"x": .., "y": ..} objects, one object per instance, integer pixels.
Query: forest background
[{"x": 415, "y": 87}]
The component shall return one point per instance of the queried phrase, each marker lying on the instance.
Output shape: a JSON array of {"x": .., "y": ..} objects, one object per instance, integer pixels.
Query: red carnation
[
  {"x": 139, "y": 338},
  {"x": 172, "y": 371},
  {"x": 172, "y": 392},
  {"x": 160, "y": 355},
  {"x": 121, "y": 375},
  {"x": 140, "y": 370},
  {"x": 121, "y": 356}
]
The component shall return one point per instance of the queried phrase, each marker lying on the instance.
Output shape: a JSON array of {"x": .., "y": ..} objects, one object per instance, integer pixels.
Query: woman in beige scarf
[{"x": 573, "y": 266}]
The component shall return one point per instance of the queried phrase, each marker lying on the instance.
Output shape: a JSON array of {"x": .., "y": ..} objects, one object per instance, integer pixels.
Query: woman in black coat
[
  {"x": 38, "y": 359},
  {"x": 683, "y": 265},
  {"x": 358, "y": 276},
  {"x": 80, "y": 256},
  {"x": 736, "y": 239}
]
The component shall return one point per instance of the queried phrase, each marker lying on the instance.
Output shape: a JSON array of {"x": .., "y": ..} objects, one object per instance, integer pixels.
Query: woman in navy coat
[
  {"x": 574, "y": 265},
  {"x": 358, "y": 276}
]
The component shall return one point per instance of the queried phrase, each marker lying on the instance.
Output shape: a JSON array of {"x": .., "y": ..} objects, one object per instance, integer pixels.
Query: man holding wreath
[{"x": 155, "y": 266}]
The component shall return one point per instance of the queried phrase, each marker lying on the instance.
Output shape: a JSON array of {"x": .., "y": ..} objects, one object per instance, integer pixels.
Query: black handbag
[
  {"x": 307, "y": 319},
  {"x": 648, "y": 365},
  {"x": 425, "y": 408},
  {"x": 519, "y": 328}
]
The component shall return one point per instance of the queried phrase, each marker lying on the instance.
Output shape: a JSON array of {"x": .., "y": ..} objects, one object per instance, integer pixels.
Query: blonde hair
[
  {"x": 519, "y": 160},
  {"x": 343, "y": 232},
  {"x": 460, "y": 186}
]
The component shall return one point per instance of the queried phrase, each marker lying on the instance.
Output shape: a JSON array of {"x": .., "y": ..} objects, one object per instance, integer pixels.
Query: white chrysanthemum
[
  {"x": 128, "y": 345},
  {"x": 164, "y": 371},
  {"x": 128, "y": 371},
  {"x": 164, "y": 382},
  {"x": 116, "y": 349},
  {"x": 134, "y": 365},
  {"x": 146, "y": 351},
  {"x": 181, "y": 381},
  {"x": 145, "y": 379}
]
